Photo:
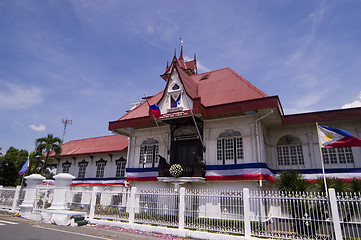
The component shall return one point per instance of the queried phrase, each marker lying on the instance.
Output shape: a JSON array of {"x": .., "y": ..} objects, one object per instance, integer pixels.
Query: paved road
[{"x": 17, "y": 228}]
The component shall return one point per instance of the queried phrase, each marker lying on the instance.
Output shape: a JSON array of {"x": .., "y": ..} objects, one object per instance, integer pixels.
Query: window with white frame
[
  {"x": 100, "y": 168},
  {"x": 337, "y": 155},
  {"x": 120, "y": 170},
  {"x": 229, "y": 147},
  {"x": 66, "y": 166},
  {"x": 82, "y": 168},
  {"x": 289, "y": 151},
  {"x": 149, "y": 152}
]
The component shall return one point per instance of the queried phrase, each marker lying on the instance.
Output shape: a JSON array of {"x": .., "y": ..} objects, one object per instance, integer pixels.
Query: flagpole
[
  {"x": 195, "y": 123},
  {"x": 322, "y": 163},
  {"x": 156, "y": 122}
]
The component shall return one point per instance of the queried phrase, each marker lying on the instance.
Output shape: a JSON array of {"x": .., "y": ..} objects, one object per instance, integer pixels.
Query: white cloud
[
  {"x": 18, "y": 123},
  {"x": 39, "y": 128},
  {"x": 356, "y": 103},
  {"x": 18, "y": 96}
]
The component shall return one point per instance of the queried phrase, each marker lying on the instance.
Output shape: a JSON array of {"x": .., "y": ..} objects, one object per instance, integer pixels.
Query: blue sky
[{"x": 89, "y": 60}]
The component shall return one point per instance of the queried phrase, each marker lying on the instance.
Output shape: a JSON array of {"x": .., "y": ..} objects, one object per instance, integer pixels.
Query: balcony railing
[{"x": 198, "y": 169}]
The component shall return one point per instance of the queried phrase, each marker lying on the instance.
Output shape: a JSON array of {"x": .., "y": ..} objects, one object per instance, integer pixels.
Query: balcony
[{"x": 196, "y": 170}]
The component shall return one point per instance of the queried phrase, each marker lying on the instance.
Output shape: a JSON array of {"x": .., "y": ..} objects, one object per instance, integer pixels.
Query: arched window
[
  {"x": 289, "y": 151},
  {"x": 100, "y": 168},
  {"x": 82, "y": 168},
  {"x": 66, "y": 166},
  {"x": 120, "y": 170},
  {"x": 149, "y": 152},
  {"x": 229, "y": 147}
]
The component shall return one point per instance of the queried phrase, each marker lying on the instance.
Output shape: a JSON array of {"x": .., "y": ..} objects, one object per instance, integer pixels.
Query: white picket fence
[{"x": 268, "y": 214}]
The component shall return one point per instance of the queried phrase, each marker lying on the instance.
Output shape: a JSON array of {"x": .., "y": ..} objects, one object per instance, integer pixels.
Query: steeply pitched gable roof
[{"x": 216, "y": 88}]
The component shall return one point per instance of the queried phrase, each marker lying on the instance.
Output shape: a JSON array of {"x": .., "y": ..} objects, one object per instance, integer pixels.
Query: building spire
[{"x": 181, "y": 52}]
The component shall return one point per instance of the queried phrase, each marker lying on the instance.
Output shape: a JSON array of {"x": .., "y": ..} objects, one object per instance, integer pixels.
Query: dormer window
[{"x": 175, "y": 87}]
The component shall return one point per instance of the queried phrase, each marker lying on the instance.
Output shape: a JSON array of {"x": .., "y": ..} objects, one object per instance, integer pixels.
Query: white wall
[{"x": 109, "y": 170}]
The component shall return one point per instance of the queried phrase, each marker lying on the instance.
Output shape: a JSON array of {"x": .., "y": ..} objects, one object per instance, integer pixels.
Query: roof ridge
[{"x": 93, "y": 138}]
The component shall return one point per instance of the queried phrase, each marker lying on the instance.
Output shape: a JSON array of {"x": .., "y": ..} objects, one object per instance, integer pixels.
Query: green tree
[
  {"x": 12, "y": 162},
  {"x": 44, "y": 146},
  {"x": 291, "y": 180}
]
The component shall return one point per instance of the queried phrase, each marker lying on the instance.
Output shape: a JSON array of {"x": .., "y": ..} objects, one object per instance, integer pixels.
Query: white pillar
[
  {"x": 93, "y": 202},
  {"x": 32, "y": 182},
  {"x": 16, "y": 198},
  {"x": 181, "y": 207},
  {"x": 247, "y": 214},
  {"x": 335, "y": 214},
  {"x": 133, "y": 191},
  {"x": 62, "y": 185}
]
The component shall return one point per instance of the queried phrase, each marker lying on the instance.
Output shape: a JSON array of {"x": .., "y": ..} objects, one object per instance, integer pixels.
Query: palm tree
[{"x": 44, "y": 146}]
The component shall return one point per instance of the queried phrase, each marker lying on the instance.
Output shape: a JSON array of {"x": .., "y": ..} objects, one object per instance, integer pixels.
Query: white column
[
  {"x": 335, "y": 214},
  {"x": 133, "y": 191},
  {"x": 247, "y": 214},
  {"x": 181, "y": 208},
  {"x": 30, "y": 195},
  {"x": 16, "y": 198},
  {"x": 93, "y": 202},
  {"x": 62, "y": 185}
]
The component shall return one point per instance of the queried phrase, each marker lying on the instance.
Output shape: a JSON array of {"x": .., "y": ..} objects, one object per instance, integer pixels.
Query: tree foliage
[
  {"x": 12, "y": 162},
  {"x": 44, "y": 146}
]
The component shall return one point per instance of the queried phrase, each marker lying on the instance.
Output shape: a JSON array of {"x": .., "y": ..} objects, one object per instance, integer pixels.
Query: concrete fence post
[
  {"x": 93, "y": 202},
  {"x": 62, "y": 185},
  {"x": 181, "y": 209},
  {"x": 32, "y": 182},
  {"x": 335, "y": 214},
  {"x": 16, "y": 198},
  {"x": 247, "y": 213},
  {"x": 133, "y": 191}
]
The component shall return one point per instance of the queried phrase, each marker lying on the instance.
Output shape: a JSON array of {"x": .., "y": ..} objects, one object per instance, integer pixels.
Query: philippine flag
[
  {"x": 337, "y": 138},
  {"x": 155, "y": 110},
  {"x": 24, "y": 168}
]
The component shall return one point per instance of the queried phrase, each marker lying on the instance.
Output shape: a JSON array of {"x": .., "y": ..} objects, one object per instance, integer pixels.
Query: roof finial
[{"x": 181, "y": 53}]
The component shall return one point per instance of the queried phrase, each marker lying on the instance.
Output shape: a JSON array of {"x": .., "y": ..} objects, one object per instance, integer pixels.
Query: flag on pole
[
  {"x": 337, "y": 138},
  {"x": 25, "y": 167},
  {"x": 155, "y": 109}
]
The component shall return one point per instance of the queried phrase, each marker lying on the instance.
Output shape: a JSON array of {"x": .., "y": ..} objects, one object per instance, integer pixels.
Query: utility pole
[{"x": 65, "y": 122}]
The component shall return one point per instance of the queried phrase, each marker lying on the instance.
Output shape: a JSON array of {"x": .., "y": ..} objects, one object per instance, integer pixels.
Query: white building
[{"x": 226, "y": 133}]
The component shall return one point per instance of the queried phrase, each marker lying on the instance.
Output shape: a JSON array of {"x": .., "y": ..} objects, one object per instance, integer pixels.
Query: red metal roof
[
  {"x": 224, "y": 86},
  {"x": 106, "y": 144},
  {"x": 323, "y": 116},
  {"x": 216, "y": 88}
]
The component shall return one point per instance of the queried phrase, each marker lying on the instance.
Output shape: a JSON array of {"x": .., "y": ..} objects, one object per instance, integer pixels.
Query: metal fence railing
[
  {"x": 43, "y": 198},
  {"x": 349, "y": 207},
  {"x": 79, "y": 198},
  {"x": 215, "y": 210},
  {"x": 264, "y": 214},
  {"x": 11, "y": 198},
  {"x": 111, "y": 204},
  {"x": 290, "y": 215},
  {"x": 157, "y": 206}
]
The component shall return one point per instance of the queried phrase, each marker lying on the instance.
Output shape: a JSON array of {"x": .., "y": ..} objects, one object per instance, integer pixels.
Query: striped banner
[
  {"x": 141, "y": 174},
  {"x": 98, "y": 181},
  {"x": 247, "y": 171}
]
